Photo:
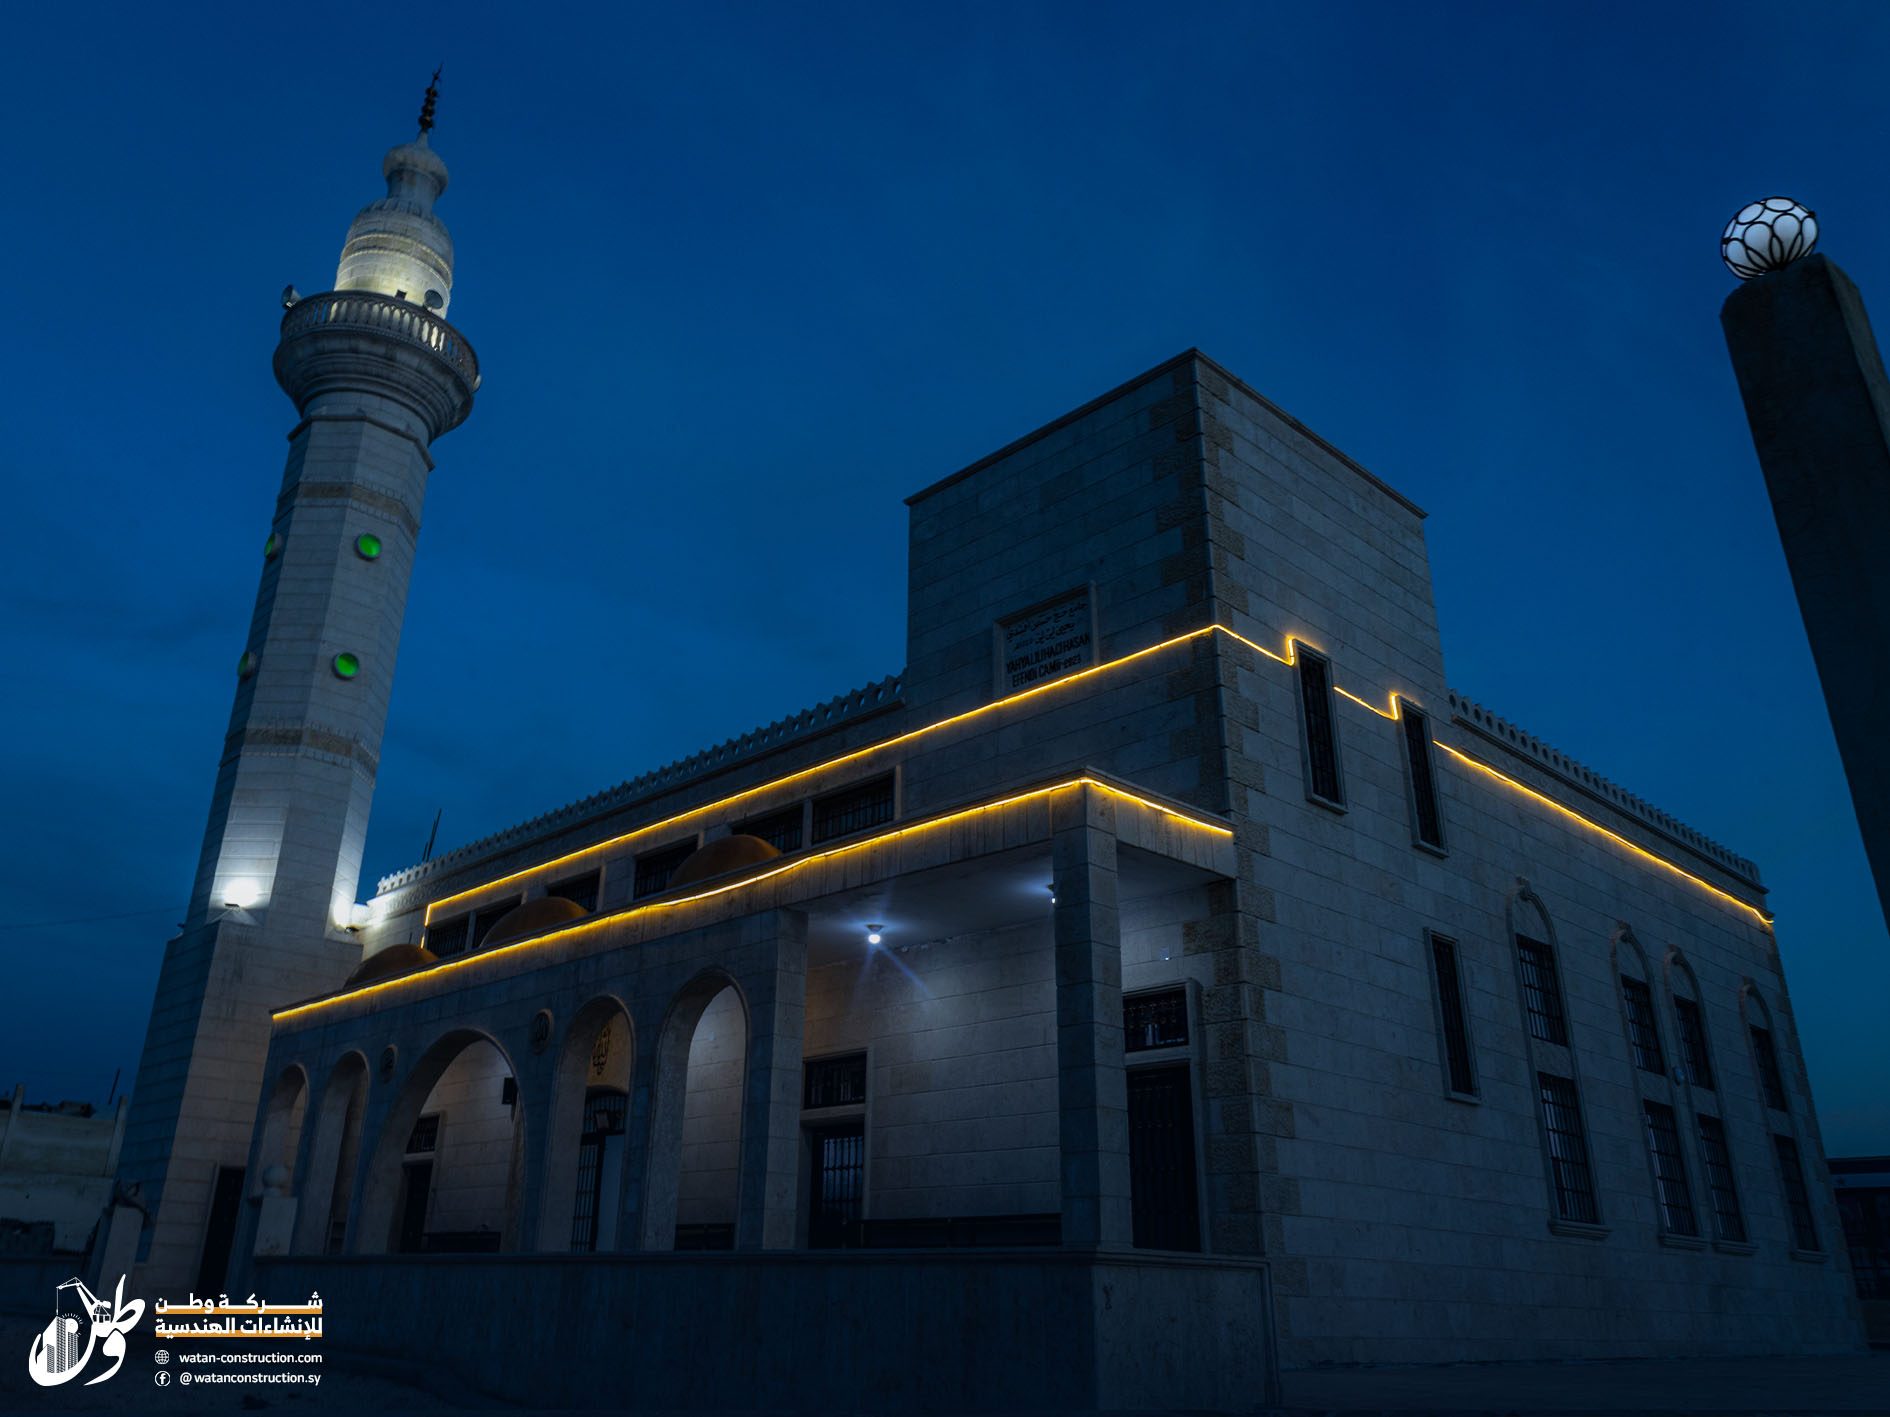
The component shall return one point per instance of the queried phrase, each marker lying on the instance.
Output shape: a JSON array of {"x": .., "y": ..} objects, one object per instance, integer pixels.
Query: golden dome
[
  {"x": 385, "y": 964},
  {"x": 719, "y": 857},
  {"x": 531, "y": 918}
]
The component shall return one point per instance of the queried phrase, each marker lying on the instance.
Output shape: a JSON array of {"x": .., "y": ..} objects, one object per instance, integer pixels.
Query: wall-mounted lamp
[
  {"x": 239, "y": 894},
  {"x": 358, "y": 917},
  {"x": 873, "y": 936}
]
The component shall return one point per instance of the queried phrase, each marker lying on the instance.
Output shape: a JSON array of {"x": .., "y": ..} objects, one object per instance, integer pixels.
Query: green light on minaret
[
  {"x": 246, "y": 664},
  {"x": 346, "y": 665},
  {"x": 367, "y": 546},
  {"x": 272, "y": 548}
]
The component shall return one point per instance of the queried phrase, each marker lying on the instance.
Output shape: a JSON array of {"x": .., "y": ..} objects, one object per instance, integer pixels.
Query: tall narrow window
[
  {"x": 1322, "y": 731},
  {"x": 1541, "y": 997},
  {"x": 1797, "y": 1198},
  {"x": 1643, "y": 1031},
  {"x": 1727, "y": 1218},
  {"x": 1568, "y": 1149},
  {"x": 1458, "y": 1073},
  {"x": 1771, "y": 1080},
  {"x": 1670, "y": 1170},
  {"x": 1693, "y": 1042},
  {"x": 1427, "y": 817}
]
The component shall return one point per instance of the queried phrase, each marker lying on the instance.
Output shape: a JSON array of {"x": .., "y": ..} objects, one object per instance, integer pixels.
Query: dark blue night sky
[{"x": 743, "y": 277}]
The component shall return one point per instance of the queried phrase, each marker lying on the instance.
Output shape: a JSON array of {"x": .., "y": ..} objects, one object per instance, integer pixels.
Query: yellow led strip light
[
  {"x": 996, "y": 705},
  {"x": 799, "y": 863},
  {"x": 1761, "y": 916}
]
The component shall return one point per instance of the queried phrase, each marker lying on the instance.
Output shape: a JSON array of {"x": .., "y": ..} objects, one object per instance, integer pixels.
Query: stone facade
[{"x": 1175, "y": 729}]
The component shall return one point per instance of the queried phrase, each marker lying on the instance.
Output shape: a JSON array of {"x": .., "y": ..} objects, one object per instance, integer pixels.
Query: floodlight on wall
[
  {"x": 358, "y": 917},
  {"x": 873, "y": 936},
  {"x": 240, "y": 894}
]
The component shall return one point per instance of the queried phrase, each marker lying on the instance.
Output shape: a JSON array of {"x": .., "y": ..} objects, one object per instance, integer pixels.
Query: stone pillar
[
  {"x": 1819, "y": 406},
  {"x": 767, "y": 1208},
  {"x": 646, "y": 1031},
  {"x": 1092, "y": 1093}
]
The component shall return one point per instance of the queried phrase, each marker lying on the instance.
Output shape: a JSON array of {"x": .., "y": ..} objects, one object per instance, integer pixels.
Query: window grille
[
  {"x": 855, "y": 809},
  {"x": 654, "y": 868},
  {"x": 1771, "y": 1080},
  {"x": 1322, "y": 740},
  {"x": 580, "y": 890},
  {"x": 1428, "y": 815},
  {"x": 1797, "y": 1198},
  {"x": 1730, "y": 1223},
  {"x": 1542, "y": 998},
  {"x": 449, "y": 937},
  {"x": 1155, "y": 1021},
  {"x": 1642, "y": 1027},
  {"x": 1693, "y": 1042},
  {"x": 425, "y": 1135},
  {"x": 1568, "y": 1150},
  {"x": 484, "y": 920},
  {"x": 1460, "y": 1076},
  {"x": 1670, "y": 1170},
  {"x": 781, "y": 830},
  {"x": 834, "y": 1082}
]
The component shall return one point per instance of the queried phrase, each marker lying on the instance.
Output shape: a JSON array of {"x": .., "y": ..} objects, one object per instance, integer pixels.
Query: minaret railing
[{"x": 384, "y": 315}]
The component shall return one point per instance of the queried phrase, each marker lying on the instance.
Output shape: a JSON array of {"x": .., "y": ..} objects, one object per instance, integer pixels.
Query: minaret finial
[{"x": 433, "y": 97}]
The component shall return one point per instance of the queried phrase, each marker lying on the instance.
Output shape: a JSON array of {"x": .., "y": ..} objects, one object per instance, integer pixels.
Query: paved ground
[{"x": 1758, "y": 1386}]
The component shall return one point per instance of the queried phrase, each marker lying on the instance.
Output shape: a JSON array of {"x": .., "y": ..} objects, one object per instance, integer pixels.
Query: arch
[
  {"x": 334, "y": 1147},
  {"x": 666, "y": 1200},
  {"x": 281, "y": 1136},
  {"x": 1540, "y": 993},
  {"x": 1693, "y": 1040},
  {"x": 1640, "y": 1015},
  {"x": 595, "y": 1064},
  {"x": 476, "y": 1093}
]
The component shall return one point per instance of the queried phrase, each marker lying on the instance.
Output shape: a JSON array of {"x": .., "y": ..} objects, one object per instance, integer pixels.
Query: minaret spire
[{"x": 432, "y": 98}]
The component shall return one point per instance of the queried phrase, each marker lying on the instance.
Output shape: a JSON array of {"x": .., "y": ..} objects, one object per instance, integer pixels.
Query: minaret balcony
[{"x": 358, "y": 340}]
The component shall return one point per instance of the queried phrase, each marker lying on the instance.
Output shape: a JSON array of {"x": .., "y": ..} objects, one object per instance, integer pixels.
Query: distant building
[
  {"x": 1165, "y": 970},
  {"x": 1863, "y": 1199},
  {"x": 57, "y": 1161}
]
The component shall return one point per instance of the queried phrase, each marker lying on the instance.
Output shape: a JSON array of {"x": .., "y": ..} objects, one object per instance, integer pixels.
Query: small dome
[
  {"x": 532, "y": 917},
  {"x": 719, "y": 857},
  {"x": 398, "y": 245},
  {"x": 392, "y": 961}
]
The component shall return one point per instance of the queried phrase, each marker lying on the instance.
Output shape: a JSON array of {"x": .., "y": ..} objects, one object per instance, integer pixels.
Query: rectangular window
[
  {"x": 1321, "y": 728},
  {"x": 1542, "y": 999},
  {"x": 1771, "y": 1080},
  {"x": 449, "y": 937},
  {"x": 580, "y": 890},
  {"x": 834, "y": 1082},
  {"x": 1427, "y": 815},
  {"x": 1693, "y": 1042},
  {"x": 484, "y": 920},
  {"x": 854, "y": 809},
  {"x": 1719, "y": 1179},
  {"x": 1797, "y": 1199},
  {"x": 1568, "y": 1150},
  {"x": 1642, "y": 1030},
  {"x": 425, "y": 1134},
  {"x": 654, "y": 868},
  {"x": 1155, "y": 1021},
  {"x": 1458, "y": 1075},
  {"x": 781, "y": 830},
  {"x": 1670, "y": 1170}
]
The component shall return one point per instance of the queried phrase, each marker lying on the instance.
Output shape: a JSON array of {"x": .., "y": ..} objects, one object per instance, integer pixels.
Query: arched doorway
[
  {"x": 584, "y": 1168},
  {"x": 445, "y": 1174},
  {"x": 334, "y": 1149},
  {"x": 696, "y": 1119}
]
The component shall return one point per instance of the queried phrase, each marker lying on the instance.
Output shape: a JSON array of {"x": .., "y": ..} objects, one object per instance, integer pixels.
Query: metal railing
[{"x": 383, "y": 314}]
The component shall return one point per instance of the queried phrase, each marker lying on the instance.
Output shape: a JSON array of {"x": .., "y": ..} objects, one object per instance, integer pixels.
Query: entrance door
[
  {"x": 415, "y": 1185},
  {"x": 603, "y": 1119},
  {"x": 1161, "y": 1159},
  {"x": 226, "y": 1200},
  {"x": 839, "y": 1187}
]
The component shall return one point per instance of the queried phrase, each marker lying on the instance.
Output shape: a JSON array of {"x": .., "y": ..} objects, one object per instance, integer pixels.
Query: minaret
[{"x": 376, "y": 374}]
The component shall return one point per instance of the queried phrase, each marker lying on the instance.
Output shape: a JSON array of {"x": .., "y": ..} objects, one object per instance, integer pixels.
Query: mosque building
[{"x": 1166, "y": 971}]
